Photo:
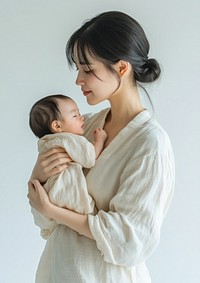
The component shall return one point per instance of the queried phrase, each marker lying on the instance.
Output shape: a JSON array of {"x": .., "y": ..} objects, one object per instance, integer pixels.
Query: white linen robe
[
  {"x": 132, "y": 184},
  {"x": 67, "y": 189}
]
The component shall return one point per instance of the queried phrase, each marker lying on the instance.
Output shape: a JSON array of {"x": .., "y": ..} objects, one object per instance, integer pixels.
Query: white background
[{"x": 33, "y": 35}]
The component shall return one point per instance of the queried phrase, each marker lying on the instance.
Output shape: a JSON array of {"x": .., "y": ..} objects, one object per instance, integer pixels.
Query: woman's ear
[
  {"x": 56, "y": 126},
  {"x": 122, "y": 67}
]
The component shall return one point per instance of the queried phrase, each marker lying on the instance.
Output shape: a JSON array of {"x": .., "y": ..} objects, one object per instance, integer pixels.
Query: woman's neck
[{"x": 124, "y": 107}]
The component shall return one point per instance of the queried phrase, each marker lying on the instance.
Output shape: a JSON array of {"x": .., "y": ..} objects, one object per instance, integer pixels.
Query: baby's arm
[{"x": 100, "y": 137}]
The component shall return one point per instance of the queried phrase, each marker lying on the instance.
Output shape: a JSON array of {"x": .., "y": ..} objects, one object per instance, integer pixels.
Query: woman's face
[{"x": 98, "y": 85}]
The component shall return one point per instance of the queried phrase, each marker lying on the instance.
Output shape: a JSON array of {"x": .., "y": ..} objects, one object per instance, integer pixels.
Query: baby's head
[{"x": 55, "y": 114}]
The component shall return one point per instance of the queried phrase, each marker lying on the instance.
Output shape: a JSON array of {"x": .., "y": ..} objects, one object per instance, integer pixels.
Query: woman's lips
[{"x": 85, "y": 93}]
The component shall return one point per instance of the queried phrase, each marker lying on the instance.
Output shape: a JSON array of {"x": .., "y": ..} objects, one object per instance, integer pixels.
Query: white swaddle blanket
[{"x": 67, "y": 189}]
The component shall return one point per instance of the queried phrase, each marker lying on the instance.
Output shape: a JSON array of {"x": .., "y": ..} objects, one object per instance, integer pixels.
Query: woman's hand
[
  {"x": 38, "y": 197},
  {"x": 50, "y": 163}
]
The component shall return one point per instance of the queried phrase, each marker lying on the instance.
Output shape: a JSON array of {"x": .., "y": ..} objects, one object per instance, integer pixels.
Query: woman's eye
[{"x": 88, "y": 72}]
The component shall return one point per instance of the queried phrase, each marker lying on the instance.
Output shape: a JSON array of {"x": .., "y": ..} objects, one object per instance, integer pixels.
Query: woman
[{"x": 132, "y": 181}]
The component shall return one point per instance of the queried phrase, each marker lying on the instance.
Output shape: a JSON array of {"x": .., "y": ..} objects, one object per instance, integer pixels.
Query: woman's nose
[{"x": 79, "y": 81}]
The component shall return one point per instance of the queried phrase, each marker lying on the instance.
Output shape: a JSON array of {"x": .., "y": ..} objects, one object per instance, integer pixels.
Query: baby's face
[{"x": 72, "y": 121}]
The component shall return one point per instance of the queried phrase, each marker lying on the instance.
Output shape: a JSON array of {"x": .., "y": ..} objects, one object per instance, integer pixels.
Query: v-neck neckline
[{"x": 138, "y": 119}]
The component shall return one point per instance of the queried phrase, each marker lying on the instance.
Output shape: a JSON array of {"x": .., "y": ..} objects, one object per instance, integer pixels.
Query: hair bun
[{"x": 152, "y": 71}]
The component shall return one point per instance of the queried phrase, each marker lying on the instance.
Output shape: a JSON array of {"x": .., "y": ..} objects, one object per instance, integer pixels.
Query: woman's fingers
[
  {"x": 58, "y": 169},
  {"x": 50, "y": 163},
  {"x": 31, "y": 190},
  {"x": 38, "y": 197},
  {"x": 57, "y": 159},
  {"x": 55, "y": 164},
  {"x": 52, "y": 151}
]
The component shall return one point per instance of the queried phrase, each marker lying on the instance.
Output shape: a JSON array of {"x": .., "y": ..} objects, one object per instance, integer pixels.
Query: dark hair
[
  {"x": 43, "y": 113},
  {"x": 113, "y": 36}
]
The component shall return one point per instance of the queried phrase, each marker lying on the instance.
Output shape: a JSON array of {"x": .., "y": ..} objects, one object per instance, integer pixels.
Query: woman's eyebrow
[
  {"x": 82, "y": 62},
  {"x": 85, "y": 64}
]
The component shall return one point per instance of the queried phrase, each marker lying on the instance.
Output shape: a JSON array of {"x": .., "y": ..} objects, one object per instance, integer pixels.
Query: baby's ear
[{"x": 56, "y": 126}]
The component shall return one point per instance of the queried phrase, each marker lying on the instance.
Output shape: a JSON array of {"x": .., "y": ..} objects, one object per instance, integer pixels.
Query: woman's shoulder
[{"x": 147, "y": 132}]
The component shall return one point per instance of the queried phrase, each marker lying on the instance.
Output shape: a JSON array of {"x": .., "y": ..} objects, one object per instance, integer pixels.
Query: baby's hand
[{"x": 100, "y": 135}]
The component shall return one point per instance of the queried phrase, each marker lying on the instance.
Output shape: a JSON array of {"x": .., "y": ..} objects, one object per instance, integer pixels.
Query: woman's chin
[{"x": 92, "y": 102}]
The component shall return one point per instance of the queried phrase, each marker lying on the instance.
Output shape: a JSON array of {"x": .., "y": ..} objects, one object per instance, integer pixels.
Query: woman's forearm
[
  {"x": 75, "y": 221},
  {"x": 39, "y": 199}
]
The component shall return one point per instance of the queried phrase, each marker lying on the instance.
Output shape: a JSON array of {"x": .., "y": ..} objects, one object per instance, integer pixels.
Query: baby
[{"x": 56, "y": 121}]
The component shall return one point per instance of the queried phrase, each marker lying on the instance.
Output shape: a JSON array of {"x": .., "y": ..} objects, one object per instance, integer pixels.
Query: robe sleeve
[{"x": 129, "y": 232}]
